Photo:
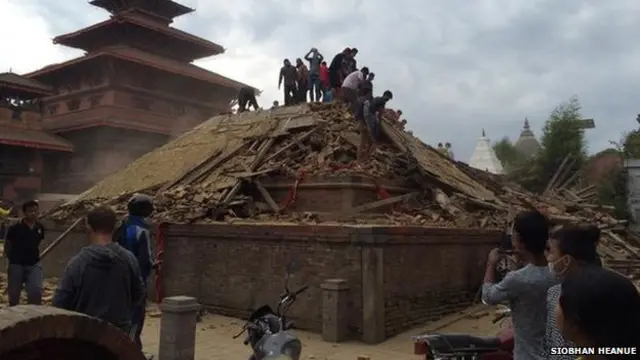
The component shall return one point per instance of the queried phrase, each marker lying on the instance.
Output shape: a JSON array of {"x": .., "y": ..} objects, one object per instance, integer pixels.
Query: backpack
[{"x": 126, "y": 237}]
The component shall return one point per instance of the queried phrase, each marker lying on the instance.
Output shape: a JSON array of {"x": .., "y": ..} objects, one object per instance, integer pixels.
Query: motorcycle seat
[{"x": 447, "y": 343}]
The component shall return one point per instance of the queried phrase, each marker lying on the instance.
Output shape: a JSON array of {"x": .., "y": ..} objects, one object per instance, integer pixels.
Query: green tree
[
  {"x": 506, "y": 152},
  {"x": 561, "y": 136}
]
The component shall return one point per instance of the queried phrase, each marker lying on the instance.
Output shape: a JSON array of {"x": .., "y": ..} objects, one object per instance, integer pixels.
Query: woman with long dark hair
[{"x": 600, "y": 308}]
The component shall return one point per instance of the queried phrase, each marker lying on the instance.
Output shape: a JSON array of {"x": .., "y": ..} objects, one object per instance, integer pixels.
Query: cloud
[{"x": 455, "y": 67}]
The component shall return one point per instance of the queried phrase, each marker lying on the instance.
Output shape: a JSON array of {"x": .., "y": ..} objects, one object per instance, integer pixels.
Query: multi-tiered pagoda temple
[{"x": 134, "y": 88}]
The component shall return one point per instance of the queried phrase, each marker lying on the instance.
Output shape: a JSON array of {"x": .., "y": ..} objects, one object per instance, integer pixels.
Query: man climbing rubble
[
  {"x": 371, "y": 109},
  {"x": 135, "y": 236},
  {"x": 247, "y": 96},
  {"x": 351, "y": 86}
]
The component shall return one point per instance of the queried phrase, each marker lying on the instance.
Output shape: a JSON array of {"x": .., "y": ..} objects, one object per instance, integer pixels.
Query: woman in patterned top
[
  {"x": 568, "y": 250},
  {"x": 600, "y": 308}
]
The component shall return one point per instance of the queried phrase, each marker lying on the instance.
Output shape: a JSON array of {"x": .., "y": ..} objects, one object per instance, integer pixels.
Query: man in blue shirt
[{"x": 135, "y": 236}]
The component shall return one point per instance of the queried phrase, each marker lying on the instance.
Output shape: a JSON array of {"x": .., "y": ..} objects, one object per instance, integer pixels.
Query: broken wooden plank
[
  {"x": 622, "y": 243},
  {"x": 264, "y": 148},
  {"x": 554, "y": 178},
  {"x": 250, "y": 174},
  {"x": 377, "y": 204},
  {"x": 267, "y": 197},
  {"x": 289, "y": 146}
]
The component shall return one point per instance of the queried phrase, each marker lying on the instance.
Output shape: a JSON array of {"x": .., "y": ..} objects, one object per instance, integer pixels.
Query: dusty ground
[{"x": 214, "y": 338}]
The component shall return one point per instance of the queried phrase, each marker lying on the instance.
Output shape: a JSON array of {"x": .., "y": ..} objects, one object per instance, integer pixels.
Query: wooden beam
[
  {"x": 263, "y": 191},
  {"x": 289, "y": 146},
  {"x": 377, "y": 204},
  {"x": 555, "y": 175},
  {"x": 265, "y": 194},
  {"x": 264, "y": 148}
]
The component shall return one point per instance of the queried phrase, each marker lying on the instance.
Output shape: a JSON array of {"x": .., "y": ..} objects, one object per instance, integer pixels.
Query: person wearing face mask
[
  {"x": 569, "y": 249},
  {"x": 600, "y": 308}
]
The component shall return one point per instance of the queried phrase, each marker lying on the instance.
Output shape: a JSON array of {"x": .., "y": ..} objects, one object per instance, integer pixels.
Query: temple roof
[
  {"x": 35, "y": 139},
  {"x": 165, "y": 8},
  {"x": 94, "y": 36},
  {"x": 527, "y": 143},
  {"x": 484, "y": 158},
  {"x": 143, "y": 58},
  {"x": 15, "y": 85}
]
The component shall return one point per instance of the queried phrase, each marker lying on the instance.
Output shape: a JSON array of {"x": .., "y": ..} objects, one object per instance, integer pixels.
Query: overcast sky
[{"x": 455, "y": 66}]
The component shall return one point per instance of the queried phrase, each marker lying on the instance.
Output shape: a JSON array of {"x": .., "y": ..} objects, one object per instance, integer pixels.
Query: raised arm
[{"x": 493, "y": 294}]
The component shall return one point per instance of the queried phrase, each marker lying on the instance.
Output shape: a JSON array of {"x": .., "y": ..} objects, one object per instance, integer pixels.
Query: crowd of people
[
  {"x": 107, "y": 279},
  {"x": 340, "y": 80},
  {"x": 562, "y": 296}
]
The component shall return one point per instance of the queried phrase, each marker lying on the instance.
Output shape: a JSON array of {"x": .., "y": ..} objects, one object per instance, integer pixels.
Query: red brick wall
[
  {"x": 234, "y": 268},
  {"x": 429, "y": 273}
]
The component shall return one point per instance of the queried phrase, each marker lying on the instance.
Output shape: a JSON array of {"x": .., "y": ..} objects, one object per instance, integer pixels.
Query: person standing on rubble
[
  {"x": 21, "y": 247},
  {"x": 134, "y": 235},
  {"x": 324, "y": 77},
  {"x": 103, "y": 280},
  {"x": 372, "y": 109},
  {"x": 247, "y": 96},
  {"x": 315, "y": 87},
  {"x": 367, "y": 85},
  {"x": 351, "y": 87},
  {"x": 303, "y": 81},
  {"x": 289, "y": 74},
  {"x": 570, "y": 249},
  {"x": 336, "y": 69},
  {"x": 448, "y": 151},
  {"x": 524, "y": 289},
  {"x": 349, "y": 63},
  {"x": 365, "y": 136}
]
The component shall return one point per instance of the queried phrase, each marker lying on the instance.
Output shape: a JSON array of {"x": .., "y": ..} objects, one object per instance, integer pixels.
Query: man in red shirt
[{"x": 324, "y": 76}]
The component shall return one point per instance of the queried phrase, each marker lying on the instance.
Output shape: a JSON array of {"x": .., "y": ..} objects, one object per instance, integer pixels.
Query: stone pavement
[{"x": 214, "y": 338}]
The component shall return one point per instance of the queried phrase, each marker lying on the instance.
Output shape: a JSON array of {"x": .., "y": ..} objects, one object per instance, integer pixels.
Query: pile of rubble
[{"x": 319, "y": 139}]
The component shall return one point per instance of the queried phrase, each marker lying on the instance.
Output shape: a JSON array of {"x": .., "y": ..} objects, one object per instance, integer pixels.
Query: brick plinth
[{"x": 409, "y": 275}]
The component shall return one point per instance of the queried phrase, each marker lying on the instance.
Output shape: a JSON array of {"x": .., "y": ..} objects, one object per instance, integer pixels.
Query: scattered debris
[{"x": 221, "y": 180}]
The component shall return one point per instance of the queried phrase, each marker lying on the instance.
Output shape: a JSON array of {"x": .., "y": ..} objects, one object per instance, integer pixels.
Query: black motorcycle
[{"x": 269, "y": 333}]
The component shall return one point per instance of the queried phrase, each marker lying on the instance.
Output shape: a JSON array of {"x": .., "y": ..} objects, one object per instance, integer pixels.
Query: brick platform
[
  {"x": 409, "y": 274},
  {"x": 39, "y": 333}
]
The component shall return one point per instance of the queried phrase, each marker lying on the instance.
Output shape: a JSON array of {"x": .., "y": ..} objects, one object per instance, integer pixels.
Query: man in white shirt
[{"x": 351, "y": 87}]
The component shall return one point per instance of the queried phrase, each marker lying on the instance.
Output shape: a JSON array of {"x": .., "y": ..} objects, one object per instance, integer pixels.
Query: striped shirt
[{"x": 552, "y": 337}]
